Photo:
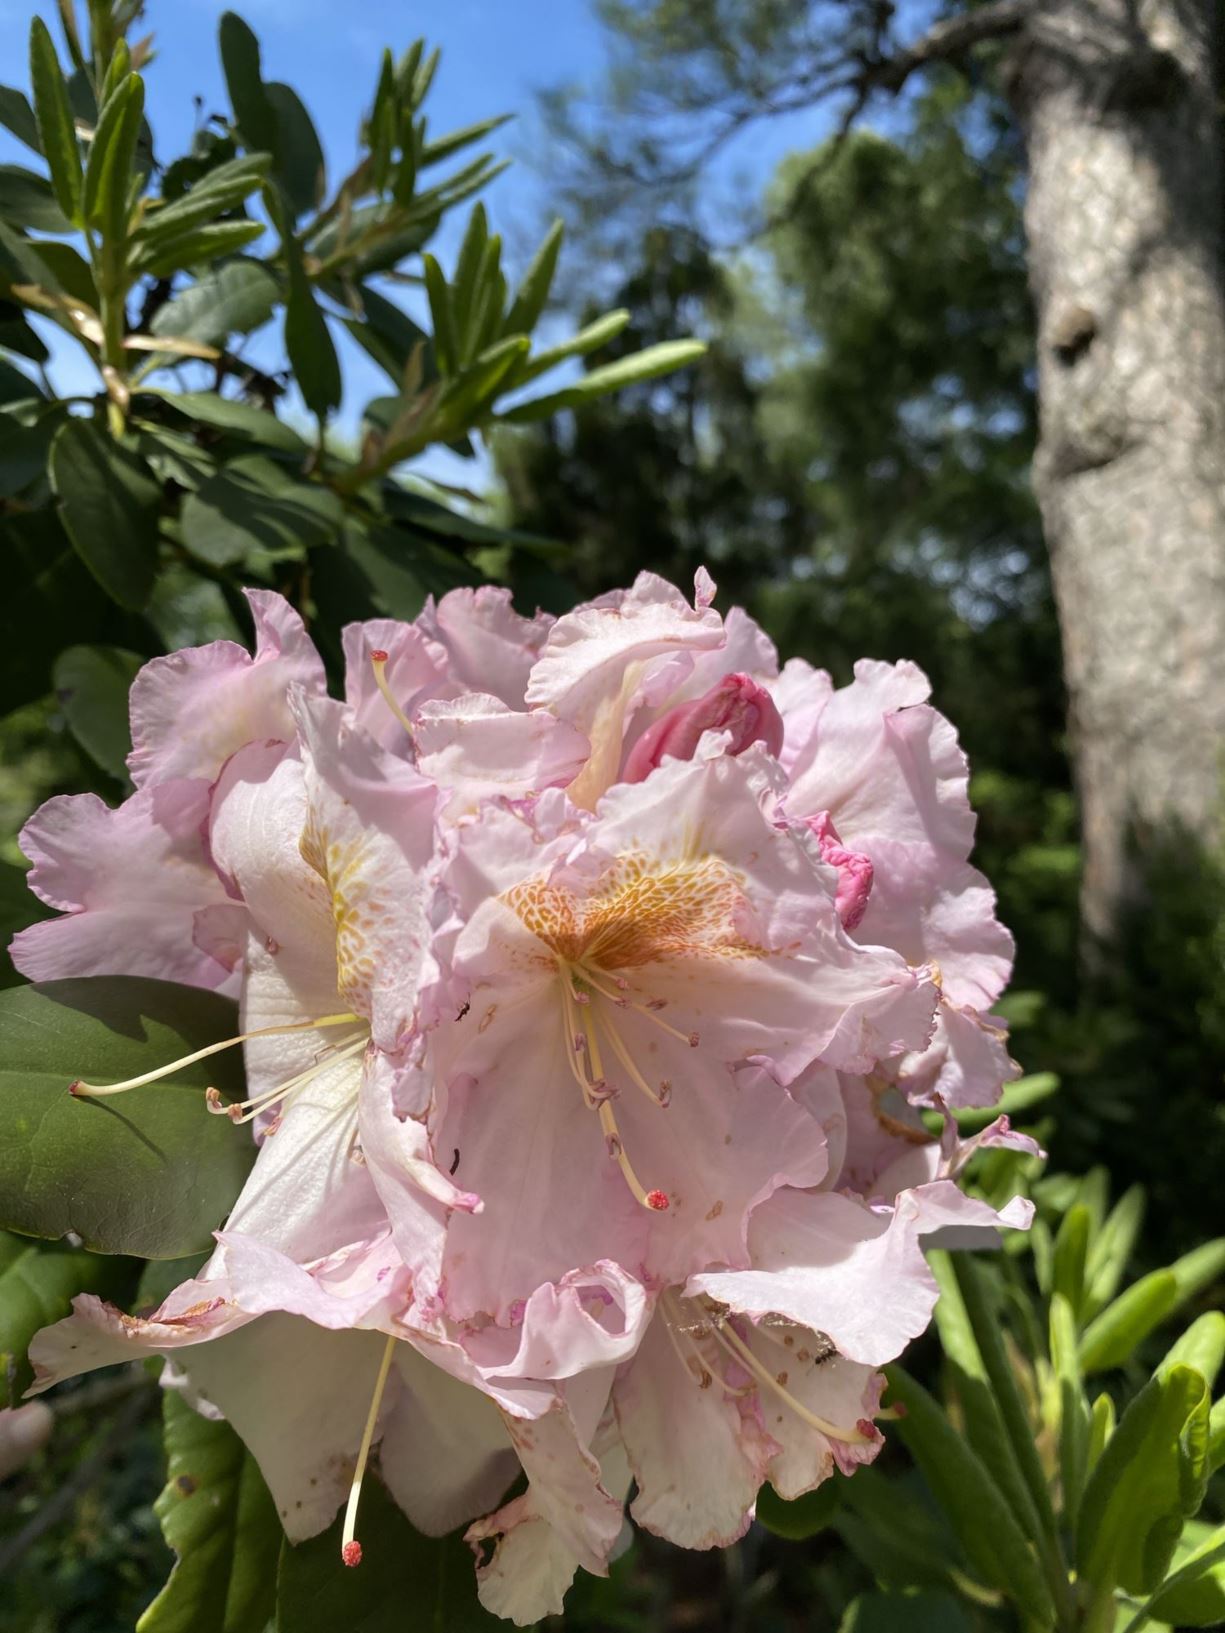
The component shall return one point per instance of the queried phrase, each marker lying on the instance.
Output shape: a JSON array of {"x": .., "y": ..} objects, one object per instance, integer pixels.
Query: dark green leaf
[
  {"x": 220, "y": 191},
  {"x": 253, "y": 112},
  {"x": 149, "y": 1172},
  {"x": 1071, "y": 1252},
  {"x": 1194, "y": 1595},
  {"x": 800, "y": 1519},
  {"x": 17, "y": 115},
  {"x": 1075, "y": 1423},
  {"x": 92, "y": 684},
  {"x": 299, "y": 155},
  {"x": 399, "y": 1568},
  {"x": 454, "y": 141},
  {"x": 19, "y": 907},
  {"x": 217, "y": 1516},
  {"x": 38, "y": 1282},
  {"x": 109, "y": 503},
  {"x": 46, "y": 586},
  {"x": 1150, "y": 1477},
  {"x": 26, "y": 200},
  {"x": 892, "y": 1526},
  {"x": 382, "y": 570},
  {"x": 57, "y": 138},
  {"x": 196, "y": 245},
  {"x": 1114, "y": 1334},
  {"x": 916, "y": 1612},
  {"x": 976, "y": 1509},
  {"x": 533, "y": 292},
  {"x": 442, "y": 316},
  {"x": 109, "y": 170},
  {"x": 240, "y": 419},
  {"x": 71, "y": 272},
  {"x": 252, "y": 503},
  {"x": 312, "y": 354},
  {"x": 16, "y": 335},
  {"x": 24, "y": 450},
  {"x": 236, "y": 297},
  {"x": 665, "y": 358}
]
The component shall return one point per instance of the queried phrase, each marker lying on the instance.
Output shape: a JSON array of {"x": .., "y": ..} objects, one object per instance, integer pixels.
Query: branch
[{"x": 948, "y": 39}]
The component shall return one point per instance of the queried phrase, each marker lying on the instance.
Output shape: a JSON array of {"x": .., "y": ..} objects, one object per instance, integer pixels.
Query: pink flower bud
[
  {"x": 735, "y": 704},
  {"x": 854, "y": 870}
]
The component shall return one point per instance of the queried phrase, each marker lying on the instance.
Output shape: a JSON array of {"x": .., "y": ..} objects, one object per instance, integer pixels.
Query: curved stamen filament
[
  {"x": 350, "y": 1548},
  {"x": 378, "y": 662},
  {"x": 648, "y": 1008},
  {"x": 243, "y": 1111},
  {"x": 96, "y": 1090},
  {"x": 623, "y": 1055},
  {"x": 731, "y": 1340},
  {"x": 657, "y": 1201}
]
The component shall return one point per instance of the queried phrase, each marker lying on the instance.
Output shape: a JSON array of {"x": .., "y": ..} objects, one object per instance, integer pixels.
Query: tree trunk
[{"x": 1118, "y": 100}]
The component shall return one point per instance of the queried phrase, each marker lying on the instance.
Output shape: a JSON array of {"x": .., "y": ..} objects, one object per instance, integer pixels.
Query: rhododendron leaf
[
  {"x": 109, "y": 502},
  {"x": 916, "y": 1612},
  {"x": 1194, "y": 1594},
  {"x": 19, "y": 907},
  {"x": 1111, "y": 1250},
  {"x": 92, "y": 685},
  {"x": 1202, "y": 1346},
  {"x": 976, "y": 1508},
  {"x": 38, "y": 1283},
  {"x": 148, "y": 1172},
  {"x": 1114, "y": 1334},
  {"x": 800, "y": 1519},
  {"x": 1149, "y": 1479},
  {"x": 217, "y": 1515},
  {"x": 891, "y": 1525},
  {"x": 1071, "y": 1250},
  {"x": 404, "y": 1580}
]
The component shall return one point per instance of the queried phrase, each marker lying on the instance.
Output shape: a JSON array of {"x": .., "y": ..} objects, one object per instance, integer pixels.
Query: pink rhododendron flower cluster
[{"x": 591, "y": 974}]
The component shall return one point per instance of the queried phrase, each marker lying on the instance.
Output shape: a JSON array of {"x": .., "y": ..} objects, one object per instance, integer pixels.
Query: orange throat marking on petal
[{"x": 643, "y": 912}]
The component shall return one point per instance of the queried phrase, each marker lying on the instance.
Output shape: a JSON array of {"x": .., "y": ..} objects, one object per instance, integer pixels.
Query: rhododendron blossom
[{"x": 591, "y": 973}]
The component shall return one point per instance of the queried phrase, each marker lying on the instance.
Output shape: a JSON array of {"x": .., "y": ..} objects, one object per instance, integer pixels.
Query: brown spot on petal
[
  {"x": 782, "y": 1380},
  {"x": 487, "y": 1018},
  {"x": 715, "y": 1211}
]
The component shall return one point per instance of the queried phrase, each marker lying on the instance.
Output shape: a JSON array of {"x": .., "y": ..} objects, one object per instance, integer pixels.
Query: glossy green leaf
[
  {"x": 1112, "y": 1336},
  {"x": 456, "y": 140},
  {"x": 46, "y": 586},
  {"x": 217, "y": 1516},
  {"x": 236, "y": 297},
  {"x": 380, "y": 570},
  {"x": 24, "y": 450},
  {"x": 1150, "y": 1477},
  {"x": 1194, "y": 1594},
  {"x": 312, "y": 353},
  {"x": 148, "y": 1172},
  {"x": 38, "y": 1282},
  {"x": 1202, "y": 1346},
  {"x": 431, "y": 1580},
  {"x": 92, "y": 684},
  {"x": 109, "y": 502},
  {"x": 533, "y": 292},
  {"x": 665, "y": 358},
  {"x": 17, "y": 116},
  {"x": 1075, "y": 1425},
  {"x": 240, "y": 63},
  {"x": 891, "y": 1525},
  {"x": 1112, "y": 1249},
  {"x": 16, "y": 335},
  {"x": 26, "y": 200},
  {"x": 973, "y": 1503},
  {"x": 252, "y": 503},
  {"x": 1216, "y": 1436},
  {"x": 195, "y": 246},
  {"x": 801, "y": 1518},
  {"x": 221, "y": 190},
  {"x": 442, "y": 316},
  {"x": 1071, "y": 1253},
  {"x": 299, "y": 155},
  {"x": 109, "y": 169},
  {"x": 56, "y": 135},
  {"x": 19, "y": 907},
  {"x": 242, "y": 420},
  {"x": 1102, "y": 1424},
  {"x": 588, "y": 339}
]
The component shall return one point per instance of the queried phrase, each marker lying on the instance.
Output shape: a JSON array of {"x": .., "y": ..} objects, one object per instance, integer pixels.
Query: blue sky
[{"x": 495, "y": 55}]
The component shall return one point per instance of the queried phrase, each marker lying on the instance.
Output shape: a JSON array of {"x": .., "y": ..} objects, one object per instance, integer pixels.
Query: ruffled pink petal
[
  {"x": 604, "y": 659},
  {"x": 854, "y": 870},
  {"x": 370, "y": 837},
  {"x": 698, "y": 1454},
  {"x": 191, "y": 710},
  {"x": 475, "y": 749},
  {"x": 131, "y": 881},
  {"x": 414, "y": 668},
  {"x": 966, "y": 1064},
  {"x": 487, "y": 645},
  {"x": 844, "y": 1393}
]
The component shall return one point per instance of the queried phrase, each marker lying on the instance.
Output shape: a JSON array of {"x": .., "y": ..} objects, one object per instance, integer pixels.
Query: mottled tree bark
[{"x": 1124, "y": 215}]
